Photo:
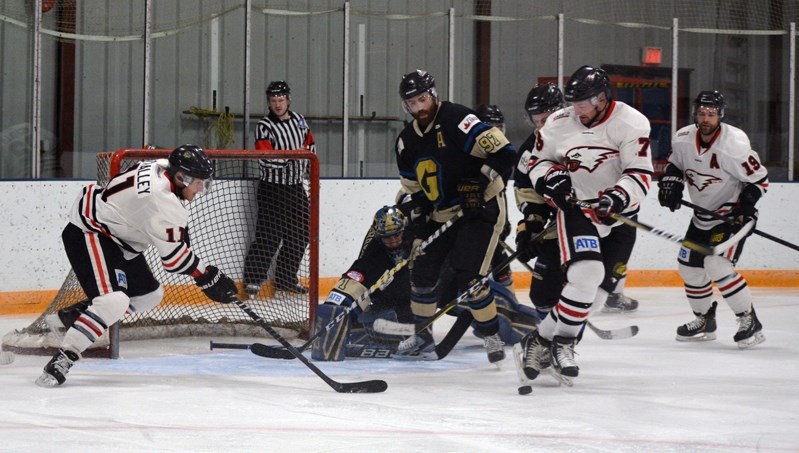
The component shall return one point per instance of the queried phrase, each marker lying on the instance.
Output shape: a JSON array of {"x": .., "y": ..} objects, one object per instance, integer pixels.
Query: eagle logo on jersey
[
  {"x": 699, "y": 180},
  {"x": 588, "y": 158}
]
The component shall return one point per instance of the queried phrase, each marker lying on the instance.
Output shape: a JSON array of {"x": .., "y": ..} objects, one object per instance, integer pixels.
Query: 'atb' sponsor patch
[
  {"x": 336, "y": 298},
  {"x": 122, "y": 278},
  {"x": 586, "y": 244},
  {"x": 685, "y": 253},
  {"x": 468, "y": 123}
]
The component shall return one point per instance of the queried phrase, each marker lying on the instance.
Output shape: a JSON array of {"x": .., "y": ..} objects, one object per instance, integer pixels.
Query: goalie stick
[
  {"x": 443, "y": 348},
  {"x": 695, "y": 246},
  {"x": 407, "y": 329},
  {"x": 613, "y": 334},
  {"x": 728, "y": 220},
  {"x": 382, "y": 282},
  {"x": 373, "y": 386}
]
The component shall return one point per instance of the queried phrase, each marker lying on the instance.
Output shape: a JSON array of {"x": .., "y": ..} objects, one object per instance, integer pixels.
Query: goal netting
[{"x": 221, "y": 229}]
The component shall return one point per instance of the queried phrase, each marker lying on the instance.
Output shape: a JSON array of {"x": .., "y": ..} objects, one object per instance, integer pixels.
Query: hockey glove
[
  {"x": 613, "y": 200},
  {"x": 217, "y": 286},
  {"x": 555, "y": 186},
  {"x": 746, "y": 210},
  {"x": 670, "y": 187},
  {"x": 470, "y": 192},
  {"x": 526, "y": 230}
]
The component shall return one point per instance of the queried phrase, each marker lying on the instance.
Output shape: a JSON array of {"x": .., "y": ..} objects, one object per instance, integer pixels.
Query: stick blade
[
  {"x": 373, "y": 386},
  {"x": 271, "y": 352}
]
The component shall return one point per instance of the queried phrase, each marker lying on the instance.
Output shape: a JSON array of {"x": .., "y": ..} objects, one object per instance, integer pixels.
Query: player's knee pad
[
  {"x": 718, "y": 267},
  {"x": 110, "y": 307},
  {"x": 693, "y": 276},
  {"x": 586, "y": 275},
  {"x": 331, "y": 345},
  {"x": 147, "y": 301}
]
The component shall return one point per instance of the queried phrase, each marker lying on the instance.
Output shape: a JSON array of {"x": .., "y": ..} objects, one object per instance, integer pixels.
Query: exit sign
[{"x": 651, "y": 55}]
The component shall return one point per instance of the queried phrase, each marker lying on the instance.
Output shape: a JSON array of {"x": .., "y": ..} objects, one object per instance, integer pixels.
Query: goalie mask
[{"x": 390, "y": 223}]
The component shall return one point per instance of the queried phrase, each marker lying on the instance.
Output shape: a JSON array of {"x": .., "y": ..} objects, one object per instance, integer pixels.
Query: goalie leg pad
[{"x": 331, "y": 345}]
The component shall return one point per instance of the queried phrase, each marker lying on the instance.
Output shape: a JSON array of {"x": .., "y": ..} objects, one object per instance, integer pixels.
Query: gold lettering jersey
[
  {"x": 136, "y": 209},
  {"x": 716, "y": 175},
  {"x": 613, "y": 152},
  {"x": 454, "y": 146}
]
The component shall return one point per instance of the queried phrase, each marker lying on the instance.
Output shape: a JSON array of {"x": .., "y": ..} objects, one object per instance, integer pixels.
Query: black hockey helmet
[
  {"x": 389, "y": 221},
  {"x": 710, "y": 99},
  {"x": 278, "y": 88},
  {"x": 543, "y": 98},
  {"x": 416, "y": 83},
  {"x": 192, "y": 161},
  {"x": 490, "y": 114},
  {"x": 586, "y": 83}
]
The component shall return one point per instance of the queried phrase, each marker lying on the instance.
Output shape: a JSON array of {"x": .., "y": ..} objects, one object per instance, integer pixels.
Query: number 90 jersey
[
  {"x": 612, "y": 152},
  {"x": 454, "y": 146}
]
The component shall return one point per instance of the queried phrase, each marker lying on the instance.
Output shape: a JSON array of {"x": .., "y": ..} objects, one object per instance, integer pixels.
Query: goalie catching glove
[{"x": 217, "y": 286}]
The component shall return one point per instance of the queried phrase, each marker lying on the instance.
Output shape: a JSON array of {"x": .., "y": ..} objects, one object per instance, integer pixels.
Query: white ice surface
[{"x": 649, "y": 393}]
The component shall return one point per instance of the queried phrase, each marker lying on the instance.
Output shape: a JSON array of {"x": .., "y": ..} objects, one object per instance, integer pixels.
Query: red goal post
[{"x": 221, "y": 229}]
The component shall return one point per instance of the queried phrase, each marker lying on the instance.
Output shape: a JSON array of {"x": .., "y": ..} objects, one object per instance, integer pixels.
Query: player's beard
[
  {"x": 707, "y": 128},
  {"x": 423, "y": 116}
]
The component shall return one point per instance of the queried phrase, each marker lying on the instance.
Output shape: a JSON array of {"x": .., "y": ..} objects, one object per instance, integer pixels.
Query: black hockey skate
[
  {"x": 562, "y": 351},
  {"x": 703, "y": 328},
  {"x": 536, "y": 354},
  {"x": 619, "y": 303},
  {"x": 417, "y": 347},
  {"x": 494, "y": 348},
  {"x": 55, "y": 372},
  {"x": 750, "y": 331}
]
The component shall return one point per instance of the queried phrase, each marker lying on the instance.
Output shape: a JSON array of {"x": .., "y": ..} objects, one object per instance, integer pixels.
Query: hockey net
[{"x": 221, "y": 229}]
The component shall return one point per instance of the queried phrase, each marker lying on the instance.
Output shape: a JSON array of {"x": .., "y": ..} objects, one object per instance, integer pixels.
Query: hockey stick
[
  {"x": 443, "y": 348},
  {"x": 695, "y": 246},
  {"x": 729, "y": 220},
  {"x": 405, "y": 329},
  {"x": 384, "y": 280},
  {"x": 373, "y": 386},
  {"x": 613, "y": 334}
]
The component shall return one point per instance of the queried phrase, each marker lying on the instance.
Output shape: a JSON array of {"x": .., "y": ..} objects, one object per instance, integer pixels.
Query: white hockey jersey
[
  {"x": 136, "y": 209},
  {"x": 613, "y": 152},
  {"x": 716, "y": 175}
]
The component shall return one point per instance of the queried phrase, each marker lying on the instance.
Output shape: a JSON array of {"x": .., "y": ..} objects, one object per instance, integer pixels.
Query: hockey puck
[{"x": 525, "y": 390}]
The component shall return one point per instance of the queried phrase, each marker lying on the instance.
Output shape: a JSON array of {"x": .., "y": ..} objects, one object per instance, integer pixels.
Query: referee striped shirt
[{"x": 292, "y": 133}]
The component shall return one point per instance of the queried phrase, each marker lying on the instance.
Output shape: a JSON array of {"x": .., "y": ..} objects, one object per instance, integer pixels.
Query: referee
[{"x": 282, "y": 220}]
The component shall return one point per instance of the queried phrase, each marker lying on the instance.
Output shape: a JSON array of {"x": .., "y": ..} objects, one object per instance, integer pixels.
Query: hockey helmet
[
  {"x": 710, "y": 99},
  {"x": 278, "y": 88},
  {"x": 192, "y": 161},
  {"x": 490, "y": 114},
  {"x": 543, "y": 98},
  {"x": 586, "y": 83},
  {"x": 416, "y": 83}
]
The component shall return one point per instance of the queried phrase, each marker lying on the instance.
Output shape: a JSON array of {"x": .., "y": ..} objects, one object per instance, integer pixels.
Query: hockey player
[
  {"x": 109, "y": 229},
  {"x": 723, "y": 174},
  {"x": 451, "y": 161},
  {"x": 597, "y": 150},
  {"x": 493, "y": 116},
  {"x": 385, "y": 246},
  {"x": 548, "y": 276}
]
